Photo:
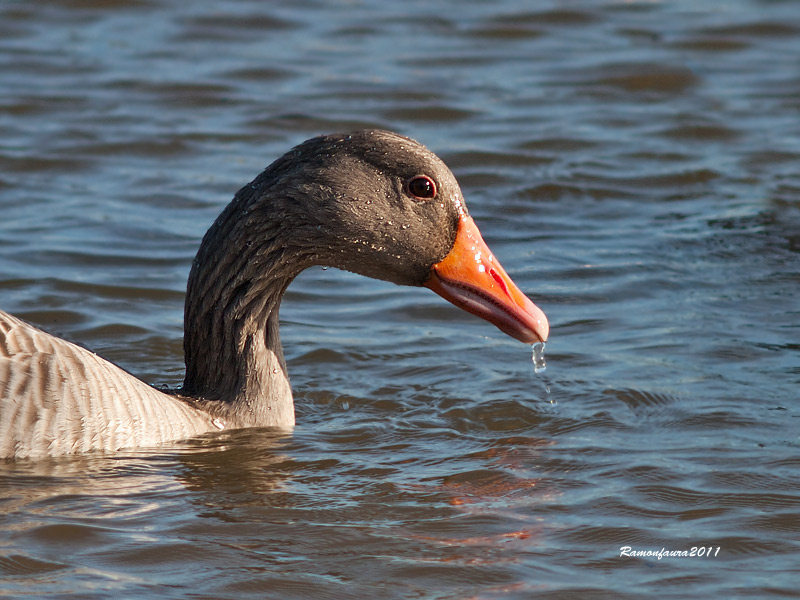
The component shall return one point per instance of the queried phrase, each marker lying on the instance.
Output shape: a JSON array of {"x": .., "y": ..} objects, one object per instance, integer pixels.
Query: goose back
[{"x": 58, "y": 398}]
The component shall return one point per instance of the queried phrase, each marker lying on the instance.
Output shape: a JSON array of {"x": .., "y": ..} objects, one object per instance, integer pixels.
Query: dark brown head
[
  {"x": 382, "y": 205},
  {"x": 371, "y": 202}
]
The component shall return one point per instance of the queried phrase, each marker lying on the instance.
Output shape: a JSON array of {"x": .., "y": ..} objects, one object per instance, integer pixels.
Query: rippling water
[{"x": 636, "y": 167}]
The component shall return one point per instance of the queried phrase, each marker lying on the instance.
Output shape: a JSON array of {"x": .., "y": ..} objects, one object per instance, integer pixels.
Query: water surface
[{"x": 634, "y": 165}]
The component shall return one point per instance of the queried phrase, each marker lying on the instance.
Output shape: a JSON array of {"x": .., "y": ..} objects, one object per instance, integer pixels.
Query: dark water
[{"x": 636, "y": 167}]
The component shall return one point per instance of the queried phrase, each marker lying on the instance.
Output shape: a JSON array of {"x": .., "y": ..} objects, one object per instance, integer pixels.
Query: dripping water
[{"x": 539, "y": 366}]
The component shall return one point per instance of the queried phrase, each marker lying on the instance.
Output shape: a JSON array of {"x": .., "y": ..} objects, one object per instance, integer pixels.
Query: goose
[{"x": 372, "y": 202}]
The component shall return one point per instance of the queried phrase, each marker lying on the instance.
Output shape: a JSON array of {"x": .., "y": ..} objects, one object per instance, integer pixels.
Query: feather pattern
[{"x": 58, "y": 398}]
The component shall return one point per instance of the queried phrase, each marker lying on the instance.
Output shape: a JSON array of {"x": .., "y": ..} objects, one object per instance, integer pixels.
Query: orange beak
[{"x": 472, "y": 279}]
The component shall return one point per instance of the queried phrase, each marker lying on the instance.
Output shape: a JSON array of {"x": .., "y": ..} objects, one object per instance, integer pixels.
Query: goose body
[
  {"x": 372, "y": 202},
  {"x": 59, "y": 398}
]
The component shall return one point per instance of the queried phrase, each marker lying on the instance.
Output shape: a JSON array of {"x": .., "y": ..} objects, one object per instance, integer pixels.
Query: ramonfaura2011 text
[{"x": 693, "y": 552}]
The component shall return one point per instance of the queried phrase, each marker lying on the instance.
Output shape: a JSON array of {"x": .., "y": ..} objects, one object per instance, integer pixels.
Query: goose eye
[{"x": 422, "y": 187}]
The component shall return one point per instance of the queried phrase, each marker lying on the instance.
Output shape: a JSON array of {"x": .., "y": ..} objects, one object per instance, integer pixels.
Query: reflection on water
[{"x": 632, "y": 164}]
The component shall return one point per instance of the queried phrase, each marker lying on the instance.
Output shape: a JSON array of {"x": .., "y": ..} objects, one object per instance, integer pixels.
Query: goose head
[{"x": 384, "y": 206}]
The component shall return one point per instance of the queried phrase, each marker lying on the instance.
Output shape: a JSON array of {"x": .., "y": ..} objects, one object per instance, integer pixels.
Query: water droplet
[
  {"x": 539, "y": 364},
  {"x": 276, "y": 371},
  {"x": 325, "y": 268}
]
